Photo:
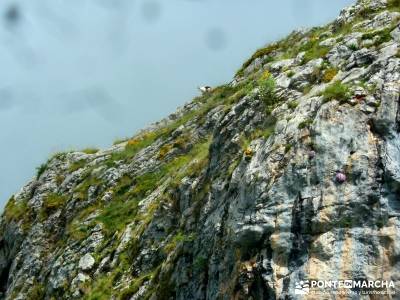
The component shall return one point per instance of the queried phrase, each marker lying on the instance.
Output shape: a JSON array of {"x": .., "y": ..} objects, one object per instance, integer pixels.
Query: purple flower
[{"x": 340, "y": 177}]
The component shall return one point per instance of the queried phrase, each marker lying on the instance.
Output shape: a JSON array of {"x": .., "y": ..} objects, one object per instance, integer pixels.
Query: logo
[
  {"x": 302, "y": 287},
  {"x": 345, "y": 287}
]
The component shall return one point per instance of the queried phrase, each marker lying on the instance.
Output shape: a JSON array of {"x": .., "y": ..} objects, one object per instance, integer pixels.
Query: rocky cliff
[{"x": 291, "y": 172}]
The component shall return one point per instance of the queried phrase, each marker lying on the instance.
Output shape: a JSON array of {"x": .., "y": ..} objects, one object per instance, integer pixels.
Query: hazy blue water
[{"x": 80, "y": 73}]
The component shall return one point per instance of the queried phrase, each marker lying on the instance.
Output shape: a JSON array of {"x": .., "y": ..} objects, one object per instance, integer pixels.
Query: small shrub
[
  {"x": 267, "y": 91},
  {"x": 329, "y": 74},
  {"x": 337, "y": 91}
]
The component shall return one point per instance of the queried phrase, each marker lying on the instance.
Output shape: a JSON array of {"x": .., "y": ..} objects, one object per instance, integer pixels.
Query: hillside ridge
[{"x": 291, "y": 172}]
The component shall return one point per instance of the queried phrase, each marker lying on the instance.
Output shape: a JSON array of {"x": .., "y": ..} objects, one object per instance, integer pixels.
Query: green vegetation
[
  {"x": 267, "y": 91},
  {"x": 379, "y": 36},
  {"x": 180, "y": 237},
  {"x": 293, "y": 104},
  {"x": 259, "y": 53},
  {"x": 118, "y": 214},
  {"x": 290, "y": 73},
  {"x": 394, "y": 4},
  {"x": 130, "y": 190},
  {"x": 36, "y": 292},
  {"x": 200, "y": 263},
  {"x": 15, "y": 211},
  {"x": 51, "y": 203},
  {"x": 353, "y": 47},
  {"x": 41, "y": 169},
  {"x": 133, "y": 146},
  {"x": 90, "y": 150},
  {"x": 337, "y": 91},
  {"x": 315, "y": 51},
  {"x": 329, "y": 74},
  {"x": 288, "y": 147},
  {"x": 77, "y": 165},
  {"x": 305, "y": 123}
]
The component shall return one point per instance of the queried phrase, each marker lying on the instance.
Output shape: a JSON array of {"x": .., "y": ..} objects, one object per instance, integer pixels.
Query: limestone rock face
[{"x": 289, "y": 173}]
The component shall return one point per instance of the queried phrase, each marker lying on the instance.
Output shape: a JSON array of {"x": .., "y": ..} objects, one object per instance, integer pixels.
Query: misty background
[{"x": 82, "y": 73}]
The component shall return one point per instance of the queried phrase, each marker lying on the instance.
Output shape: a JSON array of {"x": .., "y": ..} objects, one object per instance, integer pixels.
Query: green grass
[
  {"x": 51, "y": 203},
  {"x": 259, "y": 53},
  {"x": 316, "y": 51},
  {"x": 15, "y": 211},
  {"x": 41, "y": 169},
  {"x": 267, "y": 92},
  {"x": 133, "y": 146},
  {"x": 90, "y": 150},
  {"x": 305, "y": 123},
  {"x": 394, "y": 4},
  {"x": 337, "y": 91},
  {"x": 288, "y": 147},
  {"x": 118, "y": 214},
  {"x": 353, "y": 47},
  {"x": 129, "y": 191},
  {"x": 77, "y": 165},
  {"x": 380, "y": 36},
  {"x": 293, "y": 104},
  {"x": 180, "y": 237}
]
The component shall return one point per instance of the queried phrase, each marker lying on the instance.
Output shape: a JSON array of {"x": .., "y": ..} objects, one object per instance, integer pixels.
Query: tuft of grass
[
  {"x": 379, "y": 36},
  {"x": 259, "y": 53},
  {"x": 90, "y": 150},
  {"x": 41, "y": 169},
  {"x": 118, "y": 214},
  {"x": 353, "y": 47},
  {"x": 293, "y": 104},
  {"x": 337, "y": 91},
  {"x": 329, "y": 74},
  {"x": 77, "y": 165},
  {"x": 313, "y": 49},
  {"x": 290, "y": 73},
  {"x": 305, "y": 123},
  {"x": 51, "y": 203},
  {"x": 15, "y": 211},
  {"x": 180, "y": 237}
]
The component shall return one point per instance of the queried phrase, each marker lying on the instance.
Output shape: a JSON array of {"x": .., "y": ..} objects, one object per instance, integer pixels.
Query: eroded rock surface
[{"x": 236, "y": 195}]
